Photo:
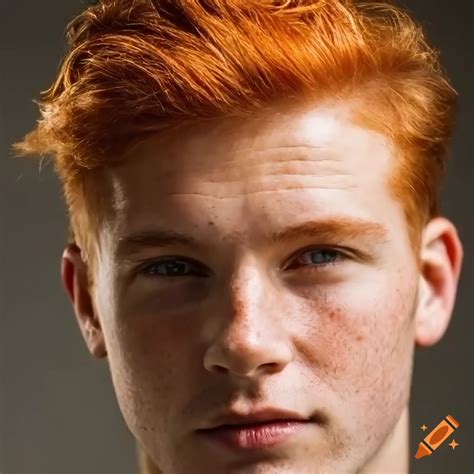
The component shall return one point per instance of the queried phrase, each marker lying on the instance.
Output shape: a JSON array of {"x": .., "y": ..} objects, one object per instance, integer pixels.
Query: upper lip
[{"x": 255, "y": 416}]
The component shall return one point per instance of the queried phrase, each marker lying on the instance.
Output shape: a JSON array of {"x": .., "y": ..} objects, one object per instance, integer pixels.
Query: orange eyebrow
[
  {"x": 336, "y": 228},
  {"x": 154, "y": 239},
  {"x": 342, "y": 228}
]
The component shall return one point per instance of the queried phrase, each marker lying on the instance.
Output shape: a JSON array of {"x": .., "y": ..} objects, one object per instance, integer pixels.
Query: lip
[
  {"x": 256, "y": 435},
  {"x": 263, "y": 428},
  {"x": 256, "y": 415}
]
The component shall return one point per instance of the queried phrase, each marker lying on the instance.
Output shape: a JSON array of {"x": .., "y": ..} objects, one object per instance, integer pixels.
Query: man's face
[{"x": 321, "y": 323}]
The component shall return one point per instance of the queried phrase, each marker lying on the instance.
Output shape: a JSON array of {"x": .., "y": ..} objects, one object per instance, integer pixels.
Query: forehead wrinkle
[
  {"x": 260, "y": 179},
  {"x": 283, "y": 147},
  {"x": 248, "y": 152},
  {"x": 246, "y": 180},
  {"x": 218, "y": 166},
  {"x": 261, "y": 191}
]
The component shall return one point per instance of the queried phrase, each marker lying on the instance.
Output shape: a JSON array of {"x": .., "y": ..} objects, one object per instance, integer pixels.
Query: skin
[{"x": 260, "y": 324}]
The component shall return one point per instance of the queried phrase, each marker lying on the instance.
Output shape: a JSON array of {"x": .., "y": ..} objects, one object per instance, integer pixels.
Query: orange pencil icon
[{"x": 436, "y": 437}]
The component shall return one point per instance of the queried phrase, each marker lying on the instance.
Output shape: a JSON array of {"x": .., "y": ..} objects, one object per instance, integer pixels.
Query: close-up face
[
  {"x": 254, "y": 213},
  {"x": 292, "y": 284},
  {"x": 320, "y": 323}
]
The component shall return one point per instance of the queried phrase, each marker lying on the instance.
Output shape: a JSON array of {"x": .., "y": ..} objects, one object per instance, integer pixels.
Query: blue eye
[
  {"x": 320, "y": 257},
  {"x": 170, "y": 267},
  {"x": 173, "y": 268}
]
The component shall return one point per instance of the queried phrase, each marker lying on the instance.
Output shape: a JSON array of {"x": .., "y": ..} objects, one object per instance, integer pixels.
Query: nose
[{"x": 249, "y": 335}]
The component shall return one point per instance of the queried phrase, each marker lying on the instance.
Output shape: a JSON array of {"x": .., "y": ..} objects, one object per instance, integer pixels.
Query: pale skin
[{"x": 322, "y": 323}]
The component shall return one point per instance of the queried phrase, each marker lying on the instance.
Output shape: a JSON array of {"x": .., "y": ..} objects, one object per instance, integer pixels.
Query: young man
[{"x": 256, "y": 247}]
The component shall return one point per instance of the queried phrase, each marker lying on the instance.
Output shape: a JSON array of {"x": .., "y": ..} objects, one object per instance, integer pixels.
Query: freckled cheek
[
  {"x": 357, "y": 342},
  {"x": 374, "y": 372}
]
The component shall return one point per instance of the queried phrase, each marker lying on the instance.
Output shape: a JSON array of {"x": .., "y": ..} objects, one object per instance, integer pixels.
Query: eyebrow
[{"x": 336, "y": 228}]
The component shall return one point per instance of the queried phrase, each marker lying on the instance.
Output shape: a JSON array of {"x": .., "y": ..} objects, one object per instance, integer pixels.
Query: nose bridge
[
  {"x": 250, "y": 332},
  {"x": 245, "y": 289},
  {"x": 246, "y": 298}
]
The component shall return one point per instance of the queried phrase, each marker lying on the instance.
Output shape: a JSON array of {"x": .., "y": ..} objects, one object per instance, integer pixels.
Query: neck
[
  {"x": 391, "y": 457},
  {"x": 146, "y": 465}
]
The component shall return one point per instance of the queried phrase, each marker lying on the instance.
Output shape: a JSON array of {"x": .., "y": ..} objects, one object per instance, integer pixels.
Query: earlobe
[
  {"x": 441, "y": 259},
  {"x": 75, "y": 281}
]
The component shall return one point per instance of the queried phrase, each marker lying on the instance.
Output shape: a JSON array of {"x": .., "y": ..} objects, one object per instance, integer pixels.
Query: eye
[
  {"x": 171, "y": 268},
  {"x": 318, "y": 258}
]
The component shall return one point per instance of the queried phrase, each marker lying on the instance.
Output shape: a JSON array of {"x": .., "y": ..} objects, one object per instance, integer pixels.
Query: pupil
[
  {"x": 322, "y": 256},
  {"x": 175, "y": 267}
]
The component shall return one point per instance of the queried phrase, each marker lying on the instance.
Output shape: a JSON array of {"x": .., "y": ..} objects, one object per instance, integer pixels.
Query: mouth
[{"x": 255, "y": 435}]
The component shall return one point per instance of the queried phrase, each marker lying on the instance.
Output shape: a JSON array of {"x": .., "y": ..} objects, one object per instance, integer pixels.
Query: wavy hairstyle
[{"x": 136, "y": 67}]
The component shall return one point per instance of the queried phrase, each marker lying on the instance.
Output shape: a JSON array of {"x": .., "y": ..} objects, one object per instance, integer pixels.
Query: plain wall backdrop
[{"x": 58, "y": 411}]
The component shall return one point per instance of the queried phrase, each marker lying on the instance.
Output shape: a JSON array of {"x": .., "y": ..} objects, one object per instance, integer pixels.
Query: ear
[
  {"x": 75, "y": 280},
  {"x": 440, "y": 268}
]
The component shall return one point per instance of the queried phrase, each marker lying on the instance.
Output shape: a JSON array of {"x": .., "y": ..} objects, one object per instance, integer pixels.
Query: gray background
[{"x": 58, "y": 412}]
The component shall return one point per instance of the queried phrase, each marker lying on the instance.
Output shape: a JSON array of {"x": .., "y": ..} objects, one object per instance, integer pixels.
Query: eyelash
[{"x": 145, "y": 270}]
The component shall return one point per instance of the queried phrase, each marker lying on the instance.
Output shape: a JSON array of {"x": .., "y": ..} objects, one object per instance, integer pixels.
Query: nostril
[{"x": 220, "y": 369}]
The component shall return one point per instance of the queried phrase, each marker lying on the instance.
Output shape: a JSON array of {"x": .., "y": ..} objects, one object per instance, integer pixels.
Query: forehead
[
  {"x": 309, "y": 163},
  {"x": 238, "y": 142}
]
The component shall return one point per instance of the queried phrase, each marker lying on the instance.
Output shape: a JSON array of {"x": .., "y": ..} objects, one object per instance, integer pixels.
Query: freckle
[
  {"x": 359, "y": 338},
  {"x": 211, "y": 223}
]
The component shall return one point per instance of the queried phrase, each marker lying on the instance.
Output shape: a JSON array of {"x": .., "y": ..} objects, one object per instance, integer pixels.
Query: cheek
[
  {"x": 153, "y": 363},
  {"x": 156, "y": 332},
  {"x": 361, "y": 346},
  {"x": 160, "y": 350}
]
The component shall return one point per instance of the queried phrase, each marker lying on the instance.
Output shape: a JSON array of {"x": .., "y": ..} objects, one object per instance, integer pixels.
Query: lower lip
[{"x": 256, "y": 436}]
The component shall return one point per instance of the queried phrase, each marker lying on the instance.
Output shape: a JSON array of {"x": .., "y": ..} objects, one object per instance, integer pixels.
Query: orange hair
[{"x": 136, "y": 67}]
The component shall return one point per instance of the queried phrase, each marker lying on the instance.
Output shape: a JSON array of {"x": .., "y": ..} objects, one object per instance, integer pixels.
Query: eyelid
[
  {"x": 171, "y": 258},
  {"x": 201, "y": 270},
  {"x": 343, "y": 254}
]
